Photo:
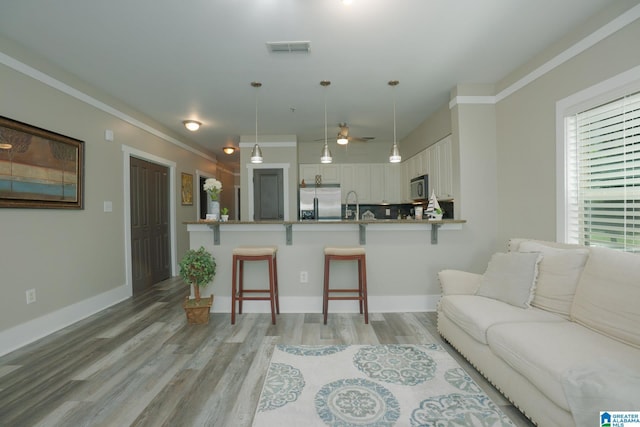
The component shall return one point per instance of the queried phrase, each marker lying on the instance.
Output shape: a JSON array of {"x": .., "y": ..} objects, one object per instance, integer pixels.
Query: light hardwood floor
[{"x": 139, "y": 363}]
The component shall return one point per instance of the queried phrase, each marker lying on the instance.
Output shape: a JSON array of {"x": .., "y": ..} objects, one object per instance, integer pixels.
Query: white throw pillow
[
  {"x": 511, "y": 278},
  {"x": 558, "y": 275}
]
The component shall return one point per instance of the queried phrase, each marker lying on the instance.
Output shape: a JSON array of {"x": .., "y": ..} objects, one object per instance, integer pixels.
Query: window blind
[{"x": 603, "y": 170}]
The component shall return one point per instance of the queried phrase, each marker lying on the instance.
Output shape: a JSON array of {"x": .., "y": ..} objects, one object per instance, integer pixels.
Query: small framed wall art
[{"x": 187, "y": 189}]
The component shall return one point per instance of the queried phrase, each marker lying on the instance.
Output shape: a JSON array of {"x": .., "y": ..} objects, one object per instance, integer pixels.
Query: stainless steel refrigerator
[{"x": 320, "y": 202}]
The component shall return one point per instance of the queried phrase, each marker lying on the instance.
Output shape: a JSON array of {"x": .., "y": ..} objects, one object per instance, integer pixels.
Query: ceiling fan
[{"x": 344, "y": 138}]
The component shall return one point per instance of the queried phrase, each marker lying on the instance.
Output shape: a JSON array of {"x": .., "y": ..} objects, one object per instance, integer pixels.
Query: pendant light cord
[
  {"x": 325, "y": 117},
  {"x": 394, "y": 116}
]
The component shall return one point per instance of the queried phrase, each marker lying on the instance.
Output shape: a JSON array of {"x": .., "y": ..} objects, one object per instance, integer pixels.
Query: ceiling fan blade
[{"x": 360, "y": 139}]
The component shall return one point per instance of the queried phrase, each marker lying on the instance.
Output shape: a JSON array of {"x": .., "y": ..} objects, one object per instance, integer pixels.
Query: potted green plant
[
  {"x": 224, "y": 214},
  {"x": 197, "y": 269}
]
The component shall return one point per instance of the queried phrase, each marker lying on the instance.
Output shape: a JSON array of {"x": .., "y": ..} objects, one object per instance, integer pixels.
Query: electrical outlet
[
  {"x": 31, "y": 296},
  {"x": 304, "y": 277}
]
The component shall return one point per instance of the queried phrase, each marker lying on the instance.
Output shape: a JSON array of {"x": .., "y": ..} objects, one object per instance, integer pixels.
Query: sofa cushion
[
  {"x": 475, "y": 314},
  {"x": 510, "y": 277},
  {"x": 558, "y": 275},
  {"x": 597, "y": 385},
  {"x": 543, "y": 351},
  {"x": 608, "y": 294}
]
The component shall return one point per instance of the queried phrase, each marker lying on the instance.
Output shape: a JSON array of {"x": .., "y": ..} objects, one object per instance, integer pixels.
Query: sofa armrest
[{"x": 456, "y": 282}]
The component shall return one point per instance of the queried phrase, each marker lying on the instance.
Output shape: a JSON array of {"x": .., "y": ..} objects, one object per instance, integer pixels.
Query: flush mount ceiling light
[
  {"x": 5, "y": 146},
  {"x": 192, "y": 125},
  {"x": 256, "y": 153},
  {"x": 394, "y": 157},
  {"x": 325, "y": 157},
  {"x": 229, "y": 150}
]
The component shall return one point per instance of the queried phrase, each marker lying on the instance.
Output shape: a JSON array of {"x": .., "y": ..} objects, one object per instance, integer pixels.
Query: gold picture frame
[
  {"x": 186, "y": 189},
  {"x": 39, "y": 168}
]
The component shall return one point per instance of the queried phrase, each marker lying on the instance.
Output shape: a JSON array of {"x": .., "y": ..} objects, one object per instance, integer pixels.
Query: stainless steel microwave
[{"x": 420, "y": 188}]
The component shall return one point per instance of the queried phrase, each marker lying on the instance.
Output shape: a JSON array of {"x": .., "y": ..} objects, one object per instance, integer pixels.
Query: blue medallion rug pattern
[{"x": 371, "y": 385}]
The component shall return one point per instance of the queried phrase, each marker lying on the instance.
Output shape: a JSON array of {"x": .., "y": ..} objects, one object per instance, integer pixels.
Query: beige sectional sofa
[{"x": 555, "y": 327}]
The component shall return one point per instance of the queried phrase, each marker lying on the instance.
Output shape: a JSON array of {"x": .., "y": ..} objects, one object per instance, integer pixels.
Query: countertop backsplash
[{"x": 399, "y": 210}]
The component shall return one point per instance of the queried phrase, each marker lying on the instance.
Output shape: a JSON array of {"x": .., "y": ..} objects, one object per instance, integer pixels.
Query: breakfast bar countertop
[{"x": 362, "y": 225}]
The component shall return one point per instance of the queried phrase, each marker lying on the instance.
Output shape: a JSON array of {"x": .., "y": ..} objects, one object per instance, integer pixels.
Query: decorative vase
[{"x": 213, "y": 210}]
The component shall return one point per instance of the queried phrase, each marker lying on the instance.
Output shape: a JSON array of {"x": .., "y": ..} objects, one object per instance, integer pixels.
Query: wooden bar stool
[
  {"x": 238, "y": 292},
  {"x": 346, "y": 254}
]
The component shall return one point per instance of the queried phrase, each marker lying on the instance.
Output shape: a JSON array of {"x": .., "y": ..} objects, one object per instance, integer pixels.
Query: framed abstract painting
[{"x": 39, "y": 168}]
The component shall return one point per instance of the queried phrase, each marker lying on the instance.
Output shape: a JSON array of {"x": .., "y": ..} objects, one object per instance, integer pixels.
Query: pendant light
[
  {"x": 326, "y": 154},
  {"x": 394, "y": 157},
  {"x": 256, "y": 153}
]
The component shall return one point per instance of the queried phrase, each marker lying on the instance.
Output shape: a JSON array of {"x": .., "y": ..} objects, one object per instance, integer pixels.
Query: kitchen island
[{"x": 402, "y": 261}]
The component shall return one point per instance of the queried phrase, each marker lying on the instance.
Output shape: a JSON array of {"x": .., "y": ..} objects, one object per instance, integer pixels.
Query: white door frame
[
  {"x": 285, "y": 185},
  {"x": 128, "y": 152}
]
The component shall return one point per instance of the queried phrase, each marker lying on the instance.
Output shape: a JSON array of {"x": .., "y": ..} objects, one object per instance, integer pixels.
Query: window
[{"x": 603, "y": 175}]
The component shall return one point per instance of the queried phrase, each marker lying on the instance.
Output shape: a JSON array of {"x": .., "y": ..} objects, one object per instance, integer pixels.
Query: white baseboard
[
  {"x": 25, "y": 333},
  {"x": 377, "y": 304}
]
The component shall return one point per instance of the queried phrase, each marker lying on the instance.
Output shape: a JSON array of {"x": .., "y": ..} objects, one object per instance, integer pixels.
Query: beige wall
[
  {"x": 431, "y": 130},
  {"x": 70, "y": 256},
  {"x": 526, "y": 134}
]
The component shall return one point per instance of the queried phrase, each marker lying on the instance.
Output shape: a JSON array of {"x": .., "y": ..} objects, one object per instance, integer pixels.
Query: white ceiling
[{"x": 175, "y": 60}]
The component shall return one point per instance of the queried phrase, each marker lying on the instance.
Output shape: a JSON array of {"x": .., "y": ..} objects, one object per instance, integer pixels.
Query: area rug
[{"x": 371, "y": 385}]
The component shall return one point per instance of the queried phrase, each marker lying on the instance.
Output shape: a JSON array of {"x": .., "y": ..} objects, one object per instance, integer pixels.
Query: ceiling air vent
[{"x": 288, "y": 47}]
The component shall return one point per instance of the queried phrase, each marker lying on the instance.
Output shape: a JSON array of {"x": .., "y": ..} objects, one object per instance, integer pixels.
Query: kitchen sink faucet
[{"x": 346, "y": 207}]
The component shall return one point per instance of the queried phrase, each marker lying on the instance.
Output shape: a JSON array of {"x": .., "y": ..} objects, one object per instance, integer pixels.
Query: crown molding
[
  {"x": 35, "y": 74},
  {"x": 589, "y": 41}
]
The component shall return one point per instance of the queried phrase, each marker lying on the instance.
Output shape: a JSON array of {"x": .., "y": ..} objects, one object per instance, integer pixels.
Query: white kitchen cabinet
[
  {"x": 377, "y": 180},
  {"x": 363, "y": 182},
  {"x": 440, "y": 168},
  {"x": 404, "y": 181},
  {"x": 413, "y": 167},
  {"x": 434, "y": 169},
  {"x": 308, "y": 172},
  {"x": 446, "y": 169},
  {"x": 347, "y": 179},
  {"x": 393, "y": 188},
  {"x": 356, "y": 177},
  {"x": 330, "y": 173},
  {"x": 374, "y": 183},
  {"x": 423, "y": 157}
]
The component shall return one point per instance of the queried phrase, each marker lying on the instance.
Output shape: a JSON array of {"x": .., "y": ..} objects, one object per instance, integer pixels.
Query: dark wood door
[
  {"x": 150, "y": 252},
  {"x": 268, "y": 194}
]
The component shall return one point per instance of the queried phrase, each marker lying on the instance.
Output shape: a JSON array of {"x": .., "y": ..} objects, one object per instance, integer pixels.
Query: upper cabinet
[
  {"x": 377, "y": 183},
  {"x": 329, "y": 174},
  {"x": 393, "y": 183},
  {"x": 356, "y": 177},
  {"x": 308, "y": 173},
  {"x": 435, "y": 161},
  {"x": 374, "y": 183}
]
